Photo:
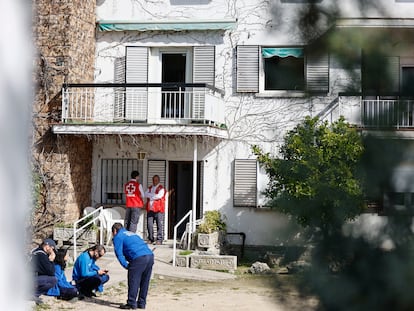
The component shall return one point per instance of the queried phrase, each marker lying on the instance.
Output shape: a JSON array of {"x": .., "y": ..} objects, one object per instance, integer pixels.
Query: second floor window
[{"x": 283, "y": 69}]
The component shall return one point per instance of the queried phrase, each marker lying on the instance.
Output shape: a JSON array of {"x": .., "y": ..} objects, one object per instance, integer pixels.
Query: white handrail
[
  {"x": 189, "y": 214},
  {"x": 76, "y": 230}
]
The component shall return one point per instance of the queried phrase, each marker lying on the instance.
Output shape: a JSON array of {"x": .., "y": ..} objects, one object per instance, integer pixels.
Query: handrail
[
  {"x": 76, "y": 230},
  {"x": 189, "y": 214},
  {"x": 150, "y": 85}
]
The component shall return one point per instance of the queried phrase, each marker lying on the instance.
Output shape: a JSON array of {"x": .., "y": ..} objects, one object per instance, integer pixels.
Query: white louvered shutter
[
  {"x": 203, "y": 72},
  {"x": 317, "y": 73},
  {"x": 247, "y": 68},
  {"x": 156, "y": 167},
  {"x": 119, "y": 77},
  {"x": 136, "y": 72},
  {"x": 245, "y": 183},
  {"x": 393, "y": 72}
]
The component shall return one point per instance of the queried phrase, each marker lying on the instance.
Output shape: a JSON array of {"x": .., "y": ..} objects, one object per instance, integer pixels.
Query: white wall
[{"x": 250, "y": 119}]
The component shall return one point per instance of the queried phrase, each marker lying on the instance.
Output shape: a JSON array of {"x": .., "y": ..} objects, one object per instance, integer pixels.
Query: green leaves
[{"x": 315, "y": 178}]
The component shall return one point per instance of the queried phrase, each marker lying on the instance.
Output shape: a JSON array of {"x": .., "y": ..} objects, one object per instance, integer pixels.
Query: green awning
[
  {"x": 165, "y": 25},
  {"x": 282, "y": 52}
]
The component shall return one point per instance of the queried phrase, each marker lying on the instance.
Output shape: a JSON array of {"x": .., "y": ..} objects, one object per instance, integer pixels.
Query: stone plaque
[{"x": 214, "y": 262}]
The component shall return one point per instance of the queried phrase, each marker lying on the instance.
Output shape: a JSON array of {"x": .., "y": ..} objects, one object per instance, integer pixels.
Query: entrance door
[
  {"x": 173, "y": 71},
  {"x": 180, "y": 200}
]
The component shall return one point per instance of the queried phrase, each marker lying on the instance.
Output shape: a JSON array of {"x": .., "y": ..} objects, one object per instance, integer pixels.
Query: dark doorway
[
  {"x": 173, "y": 71},
  {"x": 180, "y": 201}
]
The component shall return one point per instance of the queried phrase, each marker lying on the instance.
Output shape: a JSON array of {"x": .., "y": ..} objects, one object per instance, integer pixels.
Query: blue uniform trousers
[{"x": 139, "y": 276}]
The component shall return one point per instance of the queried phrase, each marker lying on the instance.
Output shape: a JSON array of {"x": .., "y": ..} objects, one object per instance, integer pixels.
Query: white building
[{"x": 184, "y": 88}]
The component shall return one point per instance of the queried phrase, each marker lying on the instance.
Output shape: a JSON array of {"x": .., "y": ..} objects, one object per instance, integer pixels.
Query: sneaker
[
  {"x": 127, "y": 307},
  {"x": 159, "y": 243}
]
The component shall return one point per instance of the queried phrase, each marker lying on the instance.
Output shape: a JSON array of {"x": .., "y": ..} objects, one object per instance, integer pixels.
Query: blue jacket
[
  {"x": 62, "y": 282},
  {"x": 84, "y": 267},
  {"x": 129, "y": 246}
]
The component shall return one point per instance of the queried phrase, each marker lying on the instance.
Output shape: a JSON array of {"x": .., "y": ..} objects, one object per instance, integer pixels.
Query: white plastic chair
[
  {"x": 109, "y": 216},
  {"x": 121, "y": 210}
]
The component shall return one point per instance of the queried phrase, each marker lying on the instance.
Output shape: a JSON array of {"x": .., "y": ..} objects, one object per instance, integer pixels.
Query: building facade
[{"x": 183, "y": 89}]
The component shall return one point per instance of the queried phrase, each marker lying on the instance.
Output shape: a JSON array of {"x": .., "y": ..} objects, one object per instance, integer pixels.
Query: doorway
[
  {"x": 173, "y": 71},
  {"x": 180, "y": 200}
]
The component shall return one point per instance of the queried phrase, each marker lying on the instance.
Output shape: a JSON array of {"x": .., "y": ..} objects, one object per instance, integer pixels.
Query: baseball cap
[{"x": 49, "y": 242}]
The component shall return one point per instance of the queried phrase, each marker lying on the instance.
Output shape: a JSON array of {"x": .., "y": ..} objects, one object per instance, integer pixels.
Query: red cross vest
[
  {"x": 157, "y": 205},
  {"x": 133, "y": 195}
]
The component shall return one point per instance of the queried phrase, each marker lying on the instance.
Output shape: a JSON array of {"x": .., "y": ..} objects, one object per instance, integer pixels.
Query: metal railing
[
  {"x": 155, "y": 103},
  {"x": 380, "y": 113},
  {"x": 393, "y": 112},
  {"x": 95, "y": 216},
  {"x": 188, "y": 233}
]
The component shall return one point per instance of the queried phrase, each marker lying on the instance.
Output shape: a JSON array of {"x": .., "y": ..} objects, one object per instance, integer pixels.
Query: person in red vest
[
  {"x": 155, "y": 195},
  {"x": 134, "y": 194}
]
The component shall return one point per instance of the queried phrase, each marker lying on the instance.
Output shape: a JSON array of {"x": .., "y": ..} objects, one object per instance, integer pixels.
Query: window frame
[{"x": 278, "y": 93}]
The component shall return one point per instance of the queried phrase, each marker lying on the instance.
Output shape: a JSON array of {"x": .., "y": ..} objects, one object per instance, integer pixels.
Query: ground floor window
[{"x": 114, "y": 174}]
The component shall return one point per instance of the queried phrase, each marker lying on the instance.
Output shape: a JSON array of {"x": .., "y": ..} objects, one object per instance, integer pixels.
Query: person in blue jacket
[
  {"x": 63, "y": 289},
  {"x": 88, "y": 276},
  {"x": 134, "y": 255}
]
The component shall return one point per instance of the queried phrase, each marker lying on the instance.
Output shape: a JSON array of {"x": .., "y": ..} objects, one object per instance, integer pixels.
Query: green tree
[{"x": 316, "y": 180}]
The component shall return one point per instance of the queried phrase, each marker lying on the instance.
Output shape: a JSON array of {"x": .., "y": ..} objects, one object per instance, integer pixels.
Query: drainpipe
[{"x": 194, "y": 183}]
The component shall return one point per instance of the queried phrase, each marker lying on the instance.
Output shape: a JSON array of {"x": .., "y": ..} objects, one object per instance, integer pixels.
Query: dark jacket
[{"x": 41, "y": 263}]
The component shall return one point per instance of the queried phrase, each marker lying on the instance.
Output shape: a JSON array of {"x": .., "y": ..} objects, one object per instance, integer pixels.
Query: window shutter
[
  {"x": 136, "y": 72},
  {"x": 156, "y": 167},
  {"x": 317, "y": 73},
  {"x": 119, "y": 77},
  {"x": 204, "y": 64},
  {"x": 247, "y": 68},
  {"x": 245, "y": 183},
  {"x": 393, "y": 73},
  {"x": 203, "y": 72}
]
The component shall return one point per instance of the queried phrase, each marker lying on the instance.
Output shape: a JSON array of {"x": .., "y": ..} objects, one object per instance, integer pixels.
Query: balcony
[
  {"x": 383, "y": 113},
  {"x": 167, "y": 108}
]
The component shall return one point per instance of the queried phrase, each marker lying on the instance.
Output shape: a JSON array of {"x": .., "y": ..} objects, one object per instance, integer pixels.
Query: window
[
  {"x": 283, "y": 69},
  {"x": 115, "y": 173},
  {"x": 407, "y": 77},
  {"x": 250, "y": 181}
]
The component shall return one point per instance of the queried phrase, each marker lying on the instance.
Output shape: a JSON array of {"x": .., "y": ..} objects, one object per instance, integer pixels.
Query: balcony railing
[
  {"x": 385, "y": 112},
  {"x": 152, "y": 103},
  {"x": 381, "y": 112}
]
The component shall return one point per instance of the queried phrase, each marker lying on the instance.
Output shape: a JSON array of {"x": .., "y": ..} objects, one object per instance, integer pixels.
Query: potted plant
[{"x": 211, "y": 231}]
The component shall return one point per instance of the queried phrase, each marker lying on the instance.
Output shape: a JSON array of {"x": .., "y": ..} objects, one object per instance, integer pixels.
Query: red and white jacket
[
  {"x": 134, "y": 194},
  {"x": 156, "y": 198}
]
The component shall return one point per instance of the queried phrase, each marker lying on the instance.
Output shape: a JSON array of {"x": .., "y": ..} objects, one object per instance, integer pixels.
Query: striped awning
[{"x": 176, "y": 25}]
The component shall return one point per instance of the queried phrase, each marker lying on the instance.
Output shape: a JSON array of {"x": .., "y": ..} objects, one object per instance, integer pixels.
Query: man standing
[
  {"x": 133, "y": 254},
  {"x": 134, "y": 204},
  {"x": 155, "y": 209},
  {"x": 44, "y": 268},
  {"x": 88, "y": 277}
]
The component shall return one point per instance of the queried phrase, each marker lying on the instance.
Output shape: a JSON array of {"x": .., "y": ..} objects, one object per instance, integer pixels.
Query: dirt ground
[{"x": 247, "y": 292}]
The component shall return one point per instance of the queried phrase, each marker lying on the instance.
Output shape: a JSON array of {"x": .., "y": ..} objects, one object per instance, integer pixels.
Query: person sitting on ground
[
  {"x": 89, "y": 278},
  {"x": 63, "y": 289},
  {"x": 42, "y": 261}
]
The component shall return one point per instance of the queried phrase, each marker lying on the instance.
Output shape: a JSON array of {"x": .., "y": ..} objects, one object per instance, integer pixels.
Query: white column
[{"x": 194, "y": 182}]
